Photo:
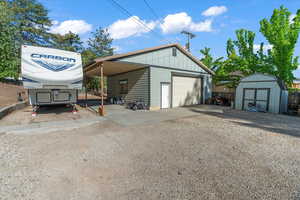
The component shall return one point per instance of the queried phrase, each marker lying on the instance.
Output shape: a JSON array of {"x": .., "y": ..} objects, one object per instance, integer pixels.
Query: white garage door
[{"x": 186, "y": 91}]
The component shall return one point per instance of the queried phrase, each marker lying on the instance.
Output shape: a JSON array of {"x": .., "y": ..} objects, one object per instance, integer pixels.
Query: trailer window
[{"x": 123, "y": 86}]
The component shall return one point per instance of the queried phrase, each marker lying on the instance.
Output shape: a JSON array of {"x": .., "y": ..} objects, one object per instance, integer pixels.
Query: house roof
[
  {"x": 296, "y": 81},
  {"x": 133, "y": 53}
]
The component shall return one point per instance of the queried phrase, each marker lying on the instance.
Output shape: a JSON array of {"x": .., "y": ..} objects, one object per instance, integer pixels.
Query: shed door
[
  {"x": 258, "y": 97},
  {"x": 186, "y": 91}
]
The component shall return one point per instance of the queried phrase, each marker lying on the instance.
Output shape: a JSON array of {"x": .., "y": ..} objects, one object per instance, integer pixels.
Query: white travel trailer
[{"x": 51, "y": 76}]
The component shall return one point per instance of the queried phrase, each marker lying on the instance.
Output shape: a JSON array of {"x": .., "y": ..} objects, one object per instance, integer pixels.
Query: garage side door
[{"x": 186, "y": 91}]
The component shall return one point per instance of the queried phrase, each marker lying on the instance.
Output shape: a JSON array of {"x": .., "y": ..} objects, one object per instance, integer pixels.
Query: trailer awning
[{"x": 111, "y": 68}]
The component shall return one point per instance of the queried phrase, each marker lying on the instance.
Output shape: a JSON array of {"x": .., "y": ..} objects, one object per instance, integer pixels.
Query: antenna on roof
[{"x": 189, "y": 37}]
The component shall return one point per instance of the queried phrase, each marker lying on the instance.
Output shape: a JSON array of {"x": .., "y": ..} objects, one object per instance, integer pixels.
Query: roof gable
[
  {"x": 160, "y": 56},
  {"x": 260, "y": 77}
]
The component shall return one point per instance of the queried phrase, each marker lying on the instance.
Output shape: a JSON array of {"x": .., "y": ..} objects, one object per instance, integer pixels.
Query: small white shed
[{"x": 265, "y": 92}]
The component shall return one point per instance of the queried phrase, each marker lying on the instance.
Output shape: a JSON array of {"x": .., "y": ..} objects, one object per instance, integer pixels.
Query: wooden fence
[
  {"x": 294, "y": 101},
  {"x": 228, "y": 95}
]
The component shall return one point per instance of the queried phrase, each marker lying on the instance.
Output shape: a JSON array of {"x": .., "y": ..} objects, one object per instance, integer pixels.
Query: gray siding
[
  {"x": 275, "y": 93},
  {"x": 260, "y": 81},
  {"x": 164, "y": 57},
  {"x": 158, "y": 75},
  {"x": 162, "y": 63},
  {"x": 138, "y": 85}
]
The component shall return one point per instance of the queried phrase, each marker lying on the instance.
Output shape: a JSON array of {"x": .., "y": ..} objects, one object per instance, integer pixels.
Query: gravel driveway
[{"x": 210, "y": 155}]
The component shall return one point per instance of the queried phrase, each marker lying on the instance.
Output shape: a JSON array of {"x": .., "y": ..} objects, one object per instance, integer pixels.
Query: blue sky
[{"x": 213, "y": 21}]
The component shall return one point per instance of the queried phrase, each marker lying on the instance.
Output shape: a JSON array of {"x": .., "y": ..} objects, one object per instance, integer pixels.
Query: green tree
[
  {"x": 68, "y": 42},
  {"x": 242, "y": 59},
  {"x": 283, "y": 35},
  {"x": 22, "y": 22},
  {"x": 212, "y": 63},
  {"x": 31, "y": 21},
  {"x": 8, "y": 52},
  {"x": 87, "y": 56},
  {"x": 99, "y": 45},
  {"x": 209, "y": 61}
]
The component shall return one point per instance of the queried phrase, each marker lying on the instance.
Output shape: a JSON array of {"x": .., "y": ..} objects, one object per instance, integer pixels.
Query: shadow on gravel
[
  {"x": 281, "y": 124},
  {"x": 91, "y": 102},
  {"x": 54, "y": 109},
  {"x": 88, "y": 102}
]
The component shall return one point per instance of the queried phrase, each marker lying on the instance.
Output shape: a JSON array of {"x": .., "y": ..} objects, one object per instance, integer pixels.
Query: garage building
[
  {"x": 266, "y": 92},
  {"x": 163, "y": 77}
]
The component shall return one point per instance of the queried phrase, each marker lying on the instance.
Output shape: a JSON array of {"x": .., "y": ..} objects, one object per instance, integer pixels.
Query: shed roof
[
  {"x": 93, "y": 64},
  {"x": 266, "y": 78}
]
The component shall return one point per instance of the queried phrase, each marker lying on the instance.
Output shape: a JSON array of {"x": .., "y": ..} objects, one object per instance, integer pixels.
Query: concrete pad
[
  {"x": 119, "y": 114},
  {"x": 47, "y": 127}
]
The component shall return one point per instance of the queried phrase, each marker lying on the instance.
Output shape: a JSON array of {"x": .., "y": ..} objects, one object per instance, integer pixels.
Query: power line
[
  {"x": 153, "y": 12},
  {"x": 156, "y": 15},
  {"x": 138, "y": 21},
  {"x": 151, "y": 9}
]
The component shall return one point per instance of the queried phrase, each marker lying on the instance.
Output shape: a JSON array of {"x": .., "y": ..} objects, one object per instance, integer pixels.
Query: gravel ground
[{"x": 230, "y": 155}]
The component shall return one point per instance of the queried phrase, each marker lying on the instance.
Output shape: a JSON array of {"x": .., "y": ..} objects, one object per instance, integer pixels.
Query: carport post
[
  {"x": 101, "y": 108},
  {"x": 85, "y": 88}
]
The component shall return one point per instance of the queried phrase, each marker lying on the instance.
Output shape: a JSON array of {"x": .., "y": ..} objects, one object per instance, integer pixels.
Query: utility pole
[{"x": 189, "y": 37}]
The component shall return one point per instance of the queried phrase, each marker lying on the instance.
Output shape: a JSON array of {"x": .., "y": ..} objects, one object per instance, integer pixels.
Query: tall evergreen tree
[
  {"x": 99, "y": 45},
  {"x": 68, "y": 42},
  {"x": 31, "y": 21},
  {"x": 8, "y": 52},
  {"x": 283, "y": 35}
]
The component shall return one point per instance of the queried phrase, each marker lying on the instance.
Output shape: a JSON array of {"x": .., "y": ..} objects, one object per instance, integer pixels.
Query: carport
[{"x": 101, "y": 68}]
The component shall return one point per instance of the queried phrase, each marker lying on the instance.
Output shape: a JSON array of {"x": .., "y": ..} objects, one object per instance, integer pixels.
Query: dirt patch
[{"x": 9, "y": 94}]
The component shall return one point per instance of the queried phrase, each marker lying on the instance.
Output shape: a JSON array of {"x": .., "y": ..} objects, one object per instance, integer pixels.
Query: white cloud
[
  {"x": 177, "y": 22},
  {"x": 292, "y": 16},
  {"x": 75, "y": 26},
  {"x": 129, "y": 27},
  {"x": 214, "y": 11},
  {"x": 205, "y": 26},
  {"x": 266, "y": 47},
  {"x": 55, "y": 22},
  {"x": 117, "y": 48}
]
